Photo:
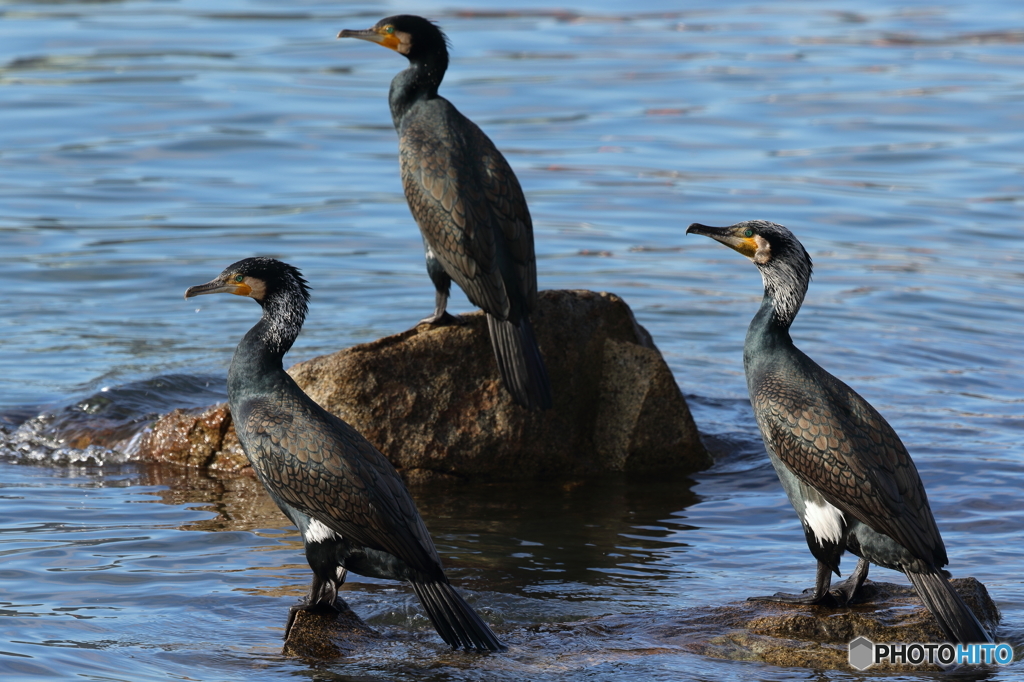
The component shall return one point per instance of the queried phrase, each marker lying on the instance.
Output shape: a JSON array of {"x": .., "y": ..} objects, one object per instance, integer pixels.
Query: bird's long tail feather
[
  {"x": 520, "y": 363},
  {"x": 955, "y": 618},
  {"x": 454, "y": 619}
]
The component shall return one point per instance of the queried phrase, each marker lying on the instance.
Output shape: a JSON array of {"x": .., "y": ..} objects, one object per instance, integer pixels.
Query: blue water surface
[{"x": 146, "y": 144}]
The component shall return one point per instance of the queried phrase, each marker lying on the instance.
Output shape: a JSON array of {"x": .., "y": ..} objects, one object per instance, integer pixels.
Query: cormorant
[
  {"x": 350, "y": 504},
  {"x": 468, "y": 204},
  {"x": 843, "y": 467}
]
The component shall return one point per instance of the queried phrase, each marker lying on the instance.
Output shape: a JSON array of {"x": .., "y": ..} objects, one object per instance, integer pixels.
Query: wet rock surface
[
  {"x": 431, "y": 400},
  {"x": 195, "y": 438},
  {"x": 804, "y": 636},
  {"x": 323, "y": 636}
]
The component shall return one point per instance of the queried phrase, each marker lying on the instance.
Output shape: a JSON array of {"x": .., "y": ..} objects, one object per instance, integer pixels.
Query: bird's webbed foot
[
  {"x": 441, "y": 319},
  {"x": 819, "y": 595},
  {"x": 442, "y": 283},
  {"x": 319, "y": 608},
  {"x": 322, "y": 600},
  {"x": 808, "y": 597},
  {"x": 846, "y": 592}
]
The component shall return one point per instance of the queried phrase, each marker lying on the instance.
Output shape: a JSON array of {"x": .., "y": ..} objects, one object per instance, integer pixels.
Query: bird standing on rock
[
  {"x": 349, "y": 503},
  {"x": 843, "y": 467},
  {"x": 470, "y": 208}
]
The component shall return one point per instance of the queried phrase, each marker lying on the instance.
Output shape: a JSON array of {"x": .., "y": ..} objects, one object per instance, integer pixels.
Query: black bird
[
  {"x": 843, "y": 467},
  {"x": 351, "y": 506},
  {"x": 468, "y": 203}
]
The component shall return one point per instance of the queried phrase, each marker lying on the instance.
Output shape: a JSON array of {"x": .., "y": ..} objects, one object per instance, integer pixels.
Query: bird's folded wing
[
  {"x": 836, "y": 442},
  {"x": 444, "y": 186},
  {"x": 322, "y": 466}
]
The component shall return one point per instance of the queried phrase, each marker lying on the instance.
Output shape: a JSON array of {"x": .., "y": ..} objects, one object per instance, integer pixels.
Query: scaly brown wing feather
[
  {"x": 324, "y": 467},
  {"x": 512, "y": 216},
  {"x": 470, "y": 208},
  {"x": 835, "y": 441}
]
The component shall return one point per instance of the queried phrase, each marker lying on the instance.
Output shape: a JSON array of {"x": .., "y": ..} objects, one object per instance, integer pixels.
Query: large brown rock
[{"x": 431, "y": 400}]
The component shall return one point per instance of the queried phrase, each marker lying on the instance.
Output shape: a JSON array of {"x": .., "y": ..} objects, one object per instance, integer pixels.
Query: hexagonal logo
[{"x": 862, "y": 653}]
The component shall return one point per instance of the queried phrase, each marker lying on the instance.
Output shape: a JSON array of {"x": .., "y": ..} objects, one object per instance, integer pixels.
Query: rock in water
[
  {"x": 195, "y": 438},
  {"x": 785, "y": 635},
  {"x": 432, "y": 401},
  {"x": 803, "y": 636},
  {"x": 321, "y": 636}
]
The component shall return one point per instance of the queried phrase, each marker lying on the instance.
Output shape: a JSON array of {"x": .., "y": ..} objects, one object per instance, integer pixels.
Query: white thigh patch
[
  {"x": 318, "y": 532},
  {"x": 826, "y": 522}
]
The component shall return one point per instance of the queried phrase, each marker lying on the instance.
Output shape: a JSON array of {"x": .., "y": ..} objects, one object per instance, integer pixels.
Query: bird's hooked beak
[
  {"x": 377, "y": 34},
  {"x": 734, "y": 236},
  {"x": 219, "y": 286}
]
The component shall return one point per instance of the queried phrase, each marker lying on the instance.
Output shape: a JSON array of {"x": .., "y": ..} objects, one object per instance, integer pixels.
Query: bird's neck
[
  {"x": 418, "y": 82},
  {"x": 259, "y": 358},
  {"x": 767, "y": 331},
  {"x": 785, "y": 285},
  {"x": 768, "y": 346}
]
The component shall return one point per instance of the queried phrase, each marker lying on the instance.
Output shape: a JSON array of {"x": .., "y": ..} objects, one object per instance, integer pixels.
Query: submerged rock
[
  {"x": 803, "y": 636},
  {"x": 431, "y": 400}
]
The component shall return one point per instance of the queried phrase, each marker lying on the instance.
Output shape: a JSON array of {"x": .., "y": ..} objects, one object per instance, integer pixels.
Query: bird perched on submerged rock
[
  {"x": 843, "y": 467},
  {"x": 468, "y": 204},
  {"x": 350, "y": 504}
]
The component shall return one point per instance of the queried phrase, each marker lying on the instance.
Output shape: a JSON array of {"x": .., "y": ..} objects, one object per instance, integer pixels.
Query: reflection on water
[
  {"x": 147, "y": 145},
  {"x": 120, "y": 561},
  {"x": 217, "y": 554}
]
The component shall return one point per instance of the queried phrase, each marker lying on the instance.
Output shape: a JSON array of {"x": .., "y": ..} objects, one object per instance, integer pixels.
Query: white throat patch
[
  {"x": 318, "y": 532},
  {"x": 826, "y": 522}
]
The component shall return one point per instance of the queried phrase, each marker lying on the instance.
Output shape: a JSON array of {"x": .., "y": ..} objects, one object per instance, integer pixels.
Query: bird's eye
[
  {"x": 748, "y": 233},
  {"x": 239, "y": 278},
  {"x": 389, "y": 29}
]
